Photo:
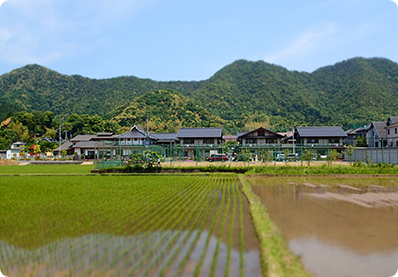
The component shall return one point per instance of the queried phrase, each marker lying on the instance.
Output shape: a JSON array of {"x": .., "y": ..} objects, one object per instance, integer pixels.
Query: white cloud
[{"x": 305, "y": 43}]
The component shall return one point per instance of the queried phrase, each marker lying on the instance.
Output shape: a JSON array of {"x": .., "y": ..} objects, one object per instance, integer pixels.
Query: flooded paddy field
[
  {"x": 339, "y": 226},
  {"x": 126, "y": 226}
]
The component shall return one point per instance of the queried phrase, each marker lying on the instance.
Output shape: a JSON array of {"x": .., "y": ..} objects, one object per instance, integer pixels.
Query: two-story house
[
  {"x": 392, "y": 131},
  {"x": 259, "y": 137},
  {"x": 320, "y": 136},
  {"x": 204, "y": 138}
]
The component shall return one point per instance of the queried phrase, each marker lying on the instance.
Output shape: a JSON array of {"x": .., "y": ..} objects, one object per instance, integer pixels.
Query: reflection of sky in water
[
  {"x": 326, "y": 260},
  {"x": 122, "y": 256},
  {"x": 340, "y": 227}
]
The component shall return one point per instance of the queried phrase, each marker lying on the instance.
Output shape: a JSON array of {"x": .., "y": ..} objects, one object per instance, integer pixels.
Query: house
[
  {"x": 205, "y": 138},
  {"x": 13, "y": 152},
  {"x": 320, "y": 136},
  {"x": 200, "y": 136},
  {"x": 165, "y": 138},
  {"x": 259, "y": 137},
  {"x": 377, "y": 134},
  {"x": 65, "y": 146},
  {"x": 392, "y": 131},
  {"x": 136, "y": 136}
]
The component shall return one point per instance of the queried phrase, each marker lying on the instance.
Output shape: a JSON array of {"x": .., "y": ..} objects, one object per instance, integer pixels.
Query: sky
[{"x": 190, "y": 40}]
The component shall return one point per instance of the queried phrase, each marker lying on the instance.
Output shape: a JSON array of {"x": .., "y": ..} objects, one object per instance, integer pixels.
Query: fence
[{"x": 110, "y": 154}]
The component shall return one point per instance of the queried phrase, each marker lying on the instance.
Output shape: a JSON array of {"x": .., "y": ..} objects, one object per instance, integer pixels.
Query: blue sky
[{"x": 191, "y": 40}]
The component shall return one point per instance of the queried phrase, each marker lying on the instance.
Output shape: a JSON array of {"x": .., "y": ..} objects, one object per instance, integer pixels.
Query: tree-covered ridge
[
  {"x": 244, "y": 94},
  {"x": 166, "y": 110},
  {"x": 36, "y": 88}
]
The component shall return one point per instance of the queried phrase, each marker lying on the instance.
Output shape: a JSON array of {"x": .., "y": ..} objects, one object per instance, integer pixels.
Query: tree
[
  {"x": 361, "y": 142},
  {"x": 332, "y": 156},
  {"x": 265, "y": 156},
  {"x": 21, "y": 132},
  {"x": 349, "y": 150},
  {"x": 308, "y": 156},
  {"x": 286, "y": 152}
]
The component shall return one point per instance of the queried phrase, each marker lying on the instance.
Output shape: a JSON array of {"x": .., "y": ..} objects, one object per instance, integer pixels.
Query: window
[
  {"x": 270, "y": 141},
  {"x": 253, "y": 141},
  {"x": 261, "y": 133},
  {"x": 335, "y": 140},
  {"x": 312, "y": 140},
  {"x": 388, "y": 131},
  {"x": 189, "y": 141},
  {"x": 208, "y": 141},
  {"x": 395, "y": 130}
]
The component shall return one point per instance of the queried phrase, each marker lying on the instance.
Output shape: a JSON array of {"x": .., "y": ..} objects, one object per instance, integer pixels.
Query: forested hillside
[
  {"x": 36, "y": 88},
  {"x": 241, "y": 95},
  {"x": 168, "y": 111}
]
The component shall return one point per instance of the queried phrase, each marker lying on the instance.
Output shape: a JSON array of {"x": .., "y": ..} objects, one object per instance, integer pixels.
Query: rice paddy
[{"x": 126, "y": 226}]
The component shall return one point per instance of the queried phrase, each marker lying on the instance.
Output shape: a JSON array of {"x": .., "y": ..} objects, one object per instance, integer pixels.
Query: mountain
[
  {"x": 242, "y": 94},
  {"x": 359, "y": 90},
  {"x": 168, "y": 111},
  {"x": 36, "y": 88}
]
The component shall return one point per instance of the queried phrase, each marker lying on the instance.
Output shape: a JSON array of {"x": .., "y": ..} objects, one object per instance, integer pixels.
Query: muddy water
[{"x": 340, "y": 226}]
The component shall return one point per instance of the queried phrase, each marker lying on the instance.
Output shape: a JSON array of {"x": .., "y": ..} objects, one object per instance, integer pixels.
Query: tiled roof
[
  {"x": 200, "y": 133},
  {"x": 64, "y": 146},
  {"x": 239, "y": 135},
  {"x": 380, "y": 127},
  {"x": 321, "y": 132},
  {"x": 165, "y": 136},
  {"x": 83, "y": 144},
  {"x": 82, "y": 138},
  {"x": 394, "y": 119}
]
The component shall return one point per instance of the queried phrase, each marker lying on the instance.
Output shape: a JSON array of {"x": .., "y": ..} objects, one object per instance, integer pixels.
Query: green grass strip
[{"x": 276, "y": 257}]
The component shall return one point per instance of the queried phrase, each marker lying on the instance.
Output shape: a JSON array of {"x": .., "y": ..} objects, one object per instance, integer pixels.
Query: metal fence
[{"x": 111, "y": 154}]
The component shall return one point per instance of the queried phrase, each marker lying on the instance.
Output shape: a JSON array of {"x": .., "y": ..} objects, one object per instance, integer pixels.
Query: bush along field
[{"x": 192, "y": 225}]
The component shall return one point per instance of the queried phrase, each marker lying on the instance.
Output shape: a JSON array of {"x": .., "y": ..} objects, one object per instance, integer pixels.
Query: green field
[
  {"x": 46, "y": 169},
  {"x": 126, "y": 226}
]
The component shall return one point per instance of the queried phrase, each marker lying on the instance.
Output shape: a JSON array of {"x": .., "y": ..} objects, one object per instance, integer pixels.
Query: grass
[
  {"x": 160, "y": 218},
  {"x": 52, "y": 169},
  {"x": 361, "y": 169},
  {"x": 378, "y": 169},
  {"x": 276, "y": 258}
]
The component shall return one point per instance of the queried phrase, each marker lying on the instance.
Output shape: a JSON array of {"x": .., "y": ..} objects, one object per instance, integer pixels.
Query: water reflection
[
  {"x": 107, "y": 255},
  {"x": 340, "y": 227}
]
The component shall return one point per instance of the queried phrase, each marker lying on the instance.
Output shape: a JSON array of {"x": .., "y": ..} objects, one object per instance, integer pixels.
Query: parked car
[
  {"x": 293, "y": 157},
  {"x": 280, "y": 157},
  {"x": 217, "y": 157}
]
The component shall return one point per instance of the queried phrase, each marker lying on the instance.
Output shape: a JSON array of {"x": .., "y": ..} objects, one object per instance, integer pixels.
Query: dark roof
[
  {"x": 275, "y": 135},
  {"x": 83, "y": 144},
  {"x": 321, "y": 132},
  {"x": 394, "y": 119},
  {"x": 165, "y": 136},
  {"x": 137, "y": 127},
  {"x": 200, "y": 133},
  {"x": 380, "y": 127},
  {"x": 105, "y": 136},
  {"x": 135, "y": 132},
  {"x": 64, "y": 146},
  {"x": 82, "y": 138},
  {"x": 351, "y": 132}
]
